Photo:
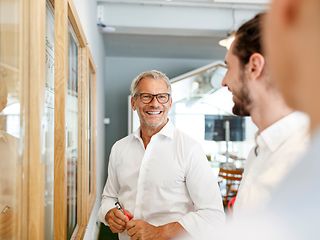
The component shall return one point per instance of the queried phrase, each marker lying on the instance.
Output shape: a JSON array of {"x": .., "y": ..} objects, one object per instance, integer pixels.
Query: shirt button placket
[{"x": 140, "y": 183}]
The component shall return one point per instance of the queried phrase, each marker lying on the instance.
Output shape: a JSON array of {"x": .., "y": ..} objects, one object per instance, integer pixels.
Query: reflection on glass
[
  {"x": 72, "y": 133},
  {"x": 47, "y": 133},
  {"x": 10, "y": 118}
]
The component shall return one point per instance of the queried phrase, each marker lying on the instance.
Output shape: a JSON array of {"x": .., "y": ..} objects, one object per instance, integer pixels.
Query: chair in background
[
  {"x": 229, "y": 180},
  {"x": 230, "y": 204}
]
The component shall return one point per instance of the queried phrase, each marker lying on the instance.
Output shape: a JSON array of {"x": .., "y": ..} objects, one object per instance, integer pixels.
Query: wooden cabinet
[{"x": 47, "y": 121}]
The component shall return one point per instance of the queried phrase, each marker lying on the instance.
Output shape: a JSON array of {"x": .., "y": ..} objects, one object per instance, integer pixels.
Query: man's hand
[
  {"x": 117, "y": 220},
  {"x": 141, "y": 230}
]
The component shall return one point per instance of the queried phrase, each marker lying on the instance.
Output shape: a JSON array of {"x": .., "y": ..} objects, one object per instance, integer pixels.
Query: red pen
[{"x": 119, "y": 207}]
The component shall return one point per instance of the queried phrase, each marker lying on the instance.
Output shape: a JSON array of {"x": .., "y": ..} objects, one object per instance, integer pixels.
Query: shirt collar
[
  {"x": 167, "y": 130},
  {"x": 280, "y": 131}
]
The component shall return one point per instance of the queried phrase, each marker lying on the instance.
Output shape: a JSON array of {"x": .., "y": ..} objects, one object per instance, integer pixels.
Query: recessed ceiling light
[{"x": 227, "y": 41}]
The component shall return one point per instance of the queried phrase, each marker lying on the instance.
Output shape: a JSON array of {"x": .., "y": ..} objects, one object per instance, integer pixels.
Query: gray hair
[{"x": 153, "y": 74}]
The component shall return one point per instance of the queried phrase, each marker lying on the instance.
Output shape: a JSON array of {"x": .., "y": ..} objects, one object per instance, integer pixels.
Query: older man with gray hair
[{"x": 158, "y": 177}]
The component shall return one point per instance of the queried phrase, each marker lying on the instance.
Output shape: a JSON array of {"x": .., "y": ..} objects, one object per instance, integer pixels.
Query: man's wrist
[
  {"x": 162, "y": 233},
  {"x": 170, "y": 230}
]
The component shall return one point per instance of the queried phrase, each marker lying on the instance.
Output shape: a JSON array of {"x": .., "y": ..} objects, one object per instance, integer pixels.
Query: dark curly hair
[{"x": 248, "y": 39}]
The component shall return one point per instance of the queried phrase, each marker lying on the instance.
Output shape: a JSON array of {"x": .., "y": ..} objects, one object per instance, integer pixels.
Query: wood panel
[
  {"x": 61, "y": 76},
  {"x": 75, "y": 22},
  {"x": 23, "y": 69},
  {"x": 81, "y": 177},
  {"x": 92, "y": 71},
  {"x": 37, "y": 13}
]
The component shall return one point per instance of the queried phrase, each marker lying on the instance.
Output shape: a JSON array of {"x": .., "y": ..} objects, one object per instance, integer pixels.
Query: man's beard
[{"x": 240, "y": 108}]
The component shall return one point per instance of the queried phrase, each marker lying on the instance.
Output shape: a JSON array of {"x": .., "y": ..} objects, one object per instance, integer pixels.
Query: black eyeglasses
[{"x": 148, "y": 97}]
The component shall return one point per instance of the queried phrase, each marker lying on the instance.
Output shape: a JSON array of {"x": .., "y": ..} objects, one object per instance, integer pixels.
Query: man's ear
[
  {"x": 170, "y": 102},
  {"x": 256, "y": 65},
  {"x": 132, "y": 100}
]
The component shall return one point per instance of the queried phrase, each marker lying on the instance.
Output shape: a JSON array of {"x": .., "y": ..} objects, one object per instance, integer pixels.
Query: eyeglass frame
[{"x": 153, "y": 96}]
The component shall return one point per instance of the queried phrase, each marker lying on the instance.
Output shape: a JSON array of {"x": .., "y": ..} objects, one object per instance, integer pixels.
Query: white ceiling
[{"x": 172, "y": 29}]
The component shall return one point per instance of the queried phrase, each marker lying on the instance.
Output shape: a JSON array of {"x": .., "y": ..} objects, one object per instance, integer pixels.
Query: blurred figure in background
[{"x": 282, "y": 133}]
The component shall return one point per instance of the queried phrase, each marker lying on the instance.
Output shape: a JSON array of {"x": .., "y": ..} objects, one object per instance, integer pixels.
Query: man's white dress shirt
[
  {"x": 171, "y": 180},
  {"x": 278, "y": 150},
  {"x": 296, "y": 200},
  {"x": 293, "y": 211}
]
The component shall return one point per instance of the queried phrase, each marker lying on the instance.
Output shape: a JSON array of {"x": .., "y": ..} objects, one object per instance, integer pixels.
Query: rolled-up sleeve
[
  {"x": 206, "y": 196},
  {"x": 111, "y": 189}
]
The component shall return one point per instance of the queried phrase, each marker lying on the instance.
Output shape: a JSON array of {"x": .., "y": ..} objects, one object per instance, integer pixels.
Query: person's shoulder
[
  {"x": 185, "y": 137},
  {"x": 124, "y": 141}
]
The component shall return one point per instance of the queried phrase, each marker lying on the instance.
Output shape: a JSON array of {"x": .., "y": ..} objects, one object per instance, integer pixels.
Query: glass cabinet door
[
  {"x": 91, "y": 132},
  {"x": 90, "y": 142},
  {"x": 72, "y": 133},
  {"x": 47, "y": 148},
  {"x": 42, "y": 122},
  {"x": 11, "y": 120}
]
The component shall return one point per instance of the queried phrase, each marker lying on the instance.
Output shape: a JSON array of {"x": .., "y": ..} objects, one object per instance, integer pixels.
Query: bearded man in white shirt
[
  {"x": 291, "y": 37},
  {"x": 159, "y": 175},
  {"x": 282, "y": 133}
]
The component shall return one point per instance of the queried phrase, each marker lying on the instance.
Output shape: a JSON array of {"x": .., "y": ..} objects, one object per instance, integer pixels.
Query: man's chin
[
  {"x": 155, "y": 124},
  {"x": 240, "y": 111}
]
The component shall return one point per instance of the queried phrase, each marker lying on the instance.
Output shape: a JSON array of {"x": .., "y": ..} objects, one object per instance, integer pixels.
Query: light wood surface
[
  {"x": 23, "y": 60},
  {"x": 36, "y": 204},
  {"x": 92, "y": 71},
  {"x": 61, "y": 76},
  {"x": 75, "y": 22}
]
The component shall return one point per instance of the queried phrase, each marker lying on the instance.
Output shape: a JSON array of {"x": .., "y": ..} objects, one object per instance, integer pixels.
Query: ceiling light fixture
[{"x": 226, "y": 42}]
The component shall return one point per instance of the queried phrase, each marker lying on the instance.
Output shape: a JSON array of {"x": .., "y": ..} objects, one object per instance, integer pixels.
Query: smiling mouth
[{"x": 154, "y": 112}]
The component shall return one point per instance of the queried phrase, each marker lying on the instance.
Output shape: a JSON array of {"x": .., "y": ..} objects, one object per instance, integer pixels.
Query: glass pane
[
  {"x": 10, "y": 118},
  {"x": 48, "y": 125},
  {"x": 72, "y": 133}
]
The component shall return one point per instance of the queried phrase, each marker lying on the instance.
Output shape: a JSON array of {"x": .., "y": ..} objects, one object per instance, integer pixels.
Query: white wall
[{"x": 87, "y": 13}]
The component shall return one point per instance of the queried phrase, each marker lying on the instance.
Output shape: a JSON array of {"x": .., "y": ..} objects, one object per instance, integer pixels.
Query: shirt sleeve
[
  {"x": 206, "y": 196},
  {"x": 111, "y": 189}
]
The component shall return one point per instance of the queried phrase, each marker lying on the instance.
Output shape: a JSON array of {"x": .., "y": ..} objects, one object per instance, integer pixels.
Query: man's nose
[
  {"x": 224, "y": 81},
  {"x": 154, "y": 101}
]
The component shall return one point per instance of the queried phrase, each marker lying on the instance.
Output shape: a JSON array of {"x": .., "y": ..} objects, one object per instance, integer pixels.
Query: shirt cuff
[{"x": 106, "y": 205}]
